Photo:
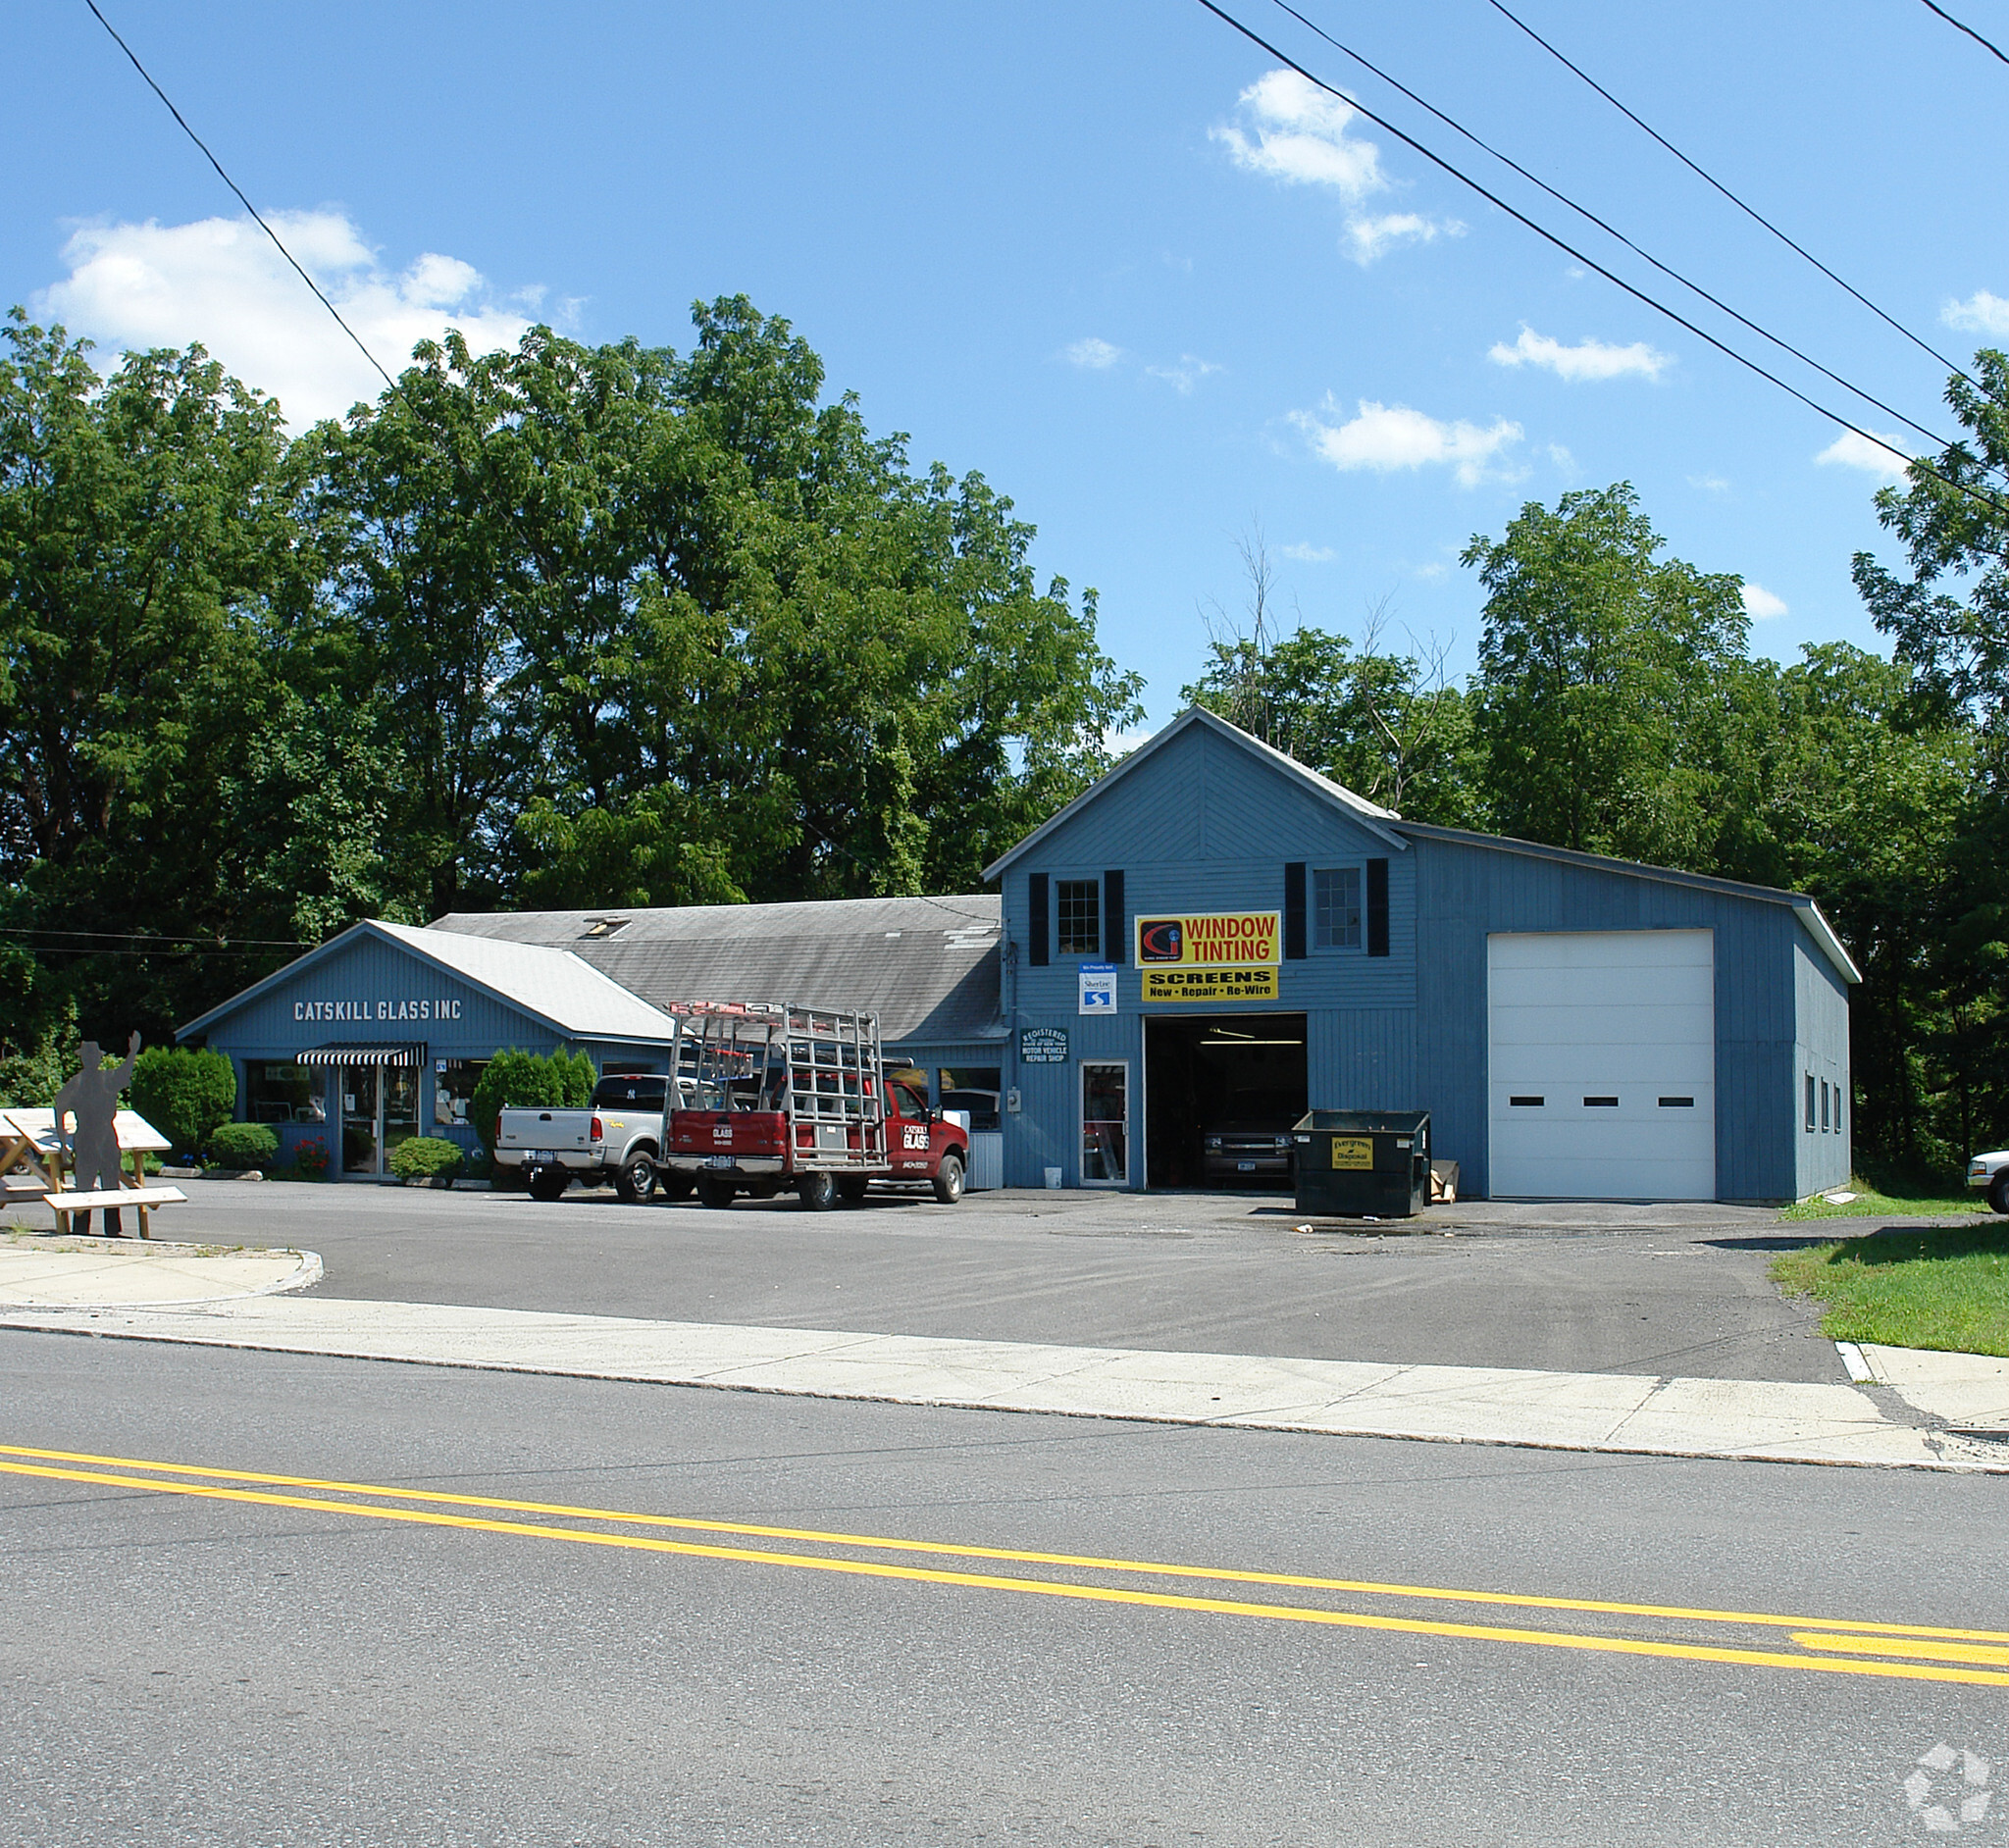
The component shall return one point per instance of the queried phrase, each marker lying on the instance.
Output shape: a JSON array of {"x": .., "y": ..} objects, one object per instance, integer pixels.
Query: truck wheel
[
  {"x": 949, "y": 1180},
  {"x": 851, "y": 1188},
  {"x": 675, "y": 1186},
  {"x": 817, "y": 1192},
  {"x": 716, "y": 1190},
  {"x": 1998, "y": 1192},
  {"x": 636, "y": 1181},
  {"x": 547, "y": 1184}
]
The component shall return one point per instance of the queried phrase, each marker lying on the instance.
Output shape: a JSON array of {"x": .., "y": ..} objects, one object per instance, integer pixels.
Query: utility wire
[
  {"x": 1749, "y": 211},
  {"x": 240, "y": 192},
  {"x": 1592, "y": 263},
  {"x": 1959, "y": 27},
  {"x": 1590, "y": 217},
  {"x": 148, "y": 937}
]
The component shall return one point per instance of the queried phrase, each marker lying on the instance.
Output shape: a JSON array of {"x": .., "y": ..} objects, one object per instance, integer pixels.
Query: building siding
[{"x": 1821, "y": 1052}]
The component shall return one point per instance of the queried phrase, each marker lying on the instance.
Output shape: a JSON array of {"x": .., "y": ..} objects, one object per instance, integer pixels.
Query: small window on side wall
[
  {"x": 1336, "y": 908},
  {"x": 1810, "y": 1104},
  {"x": 1081, "y": 918}
]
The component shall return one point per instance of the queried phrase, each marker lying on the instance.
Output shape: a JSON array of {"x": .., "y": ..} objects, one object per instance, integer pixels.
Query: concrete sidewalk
[
  {"x": 1629, "y": 1413},
  {"x": 45, "y": 1273}
]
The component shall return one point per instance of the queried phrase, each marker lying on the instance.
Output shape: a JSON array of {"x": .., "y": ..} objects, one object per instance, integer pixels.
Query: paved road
[
  {"x": 1673, "y": 1290},
  {"x": 180, "y": 1670}
]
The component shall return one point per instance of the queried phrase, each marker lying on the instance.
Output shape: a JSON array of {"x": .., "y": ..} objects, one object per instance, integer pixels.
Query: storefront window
[
  {"x": 277, "y": 1091},
  {"x": 454, "y": 1088},
  {"x": 971, "y": 1088}
]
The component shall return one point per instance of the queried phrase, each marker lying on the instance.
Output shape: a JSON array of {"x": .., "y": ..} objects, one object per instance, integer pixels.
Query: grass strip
[
  {"x": 1910, "y": 1287},
  {"x": 1873, "y": 1203}
]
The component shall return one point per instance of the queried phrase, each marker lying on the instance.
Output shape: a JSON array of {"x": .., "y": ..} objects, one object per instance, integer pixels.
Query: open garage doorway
[{"x": 1219, "y": 1097}]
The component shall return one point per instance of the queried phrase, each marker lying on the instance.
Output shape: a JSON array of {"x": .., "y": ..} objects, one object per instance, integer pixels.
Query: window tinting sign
[
  {"x": 1210, "y": 939},
  {"x": 1097, "y": 988},
  {"x": 1043, "y": 1046}
]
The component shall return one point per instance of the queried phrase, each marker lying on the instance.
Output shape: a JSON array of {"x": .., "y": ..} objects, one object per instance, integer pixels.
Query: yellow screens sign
[
  {"x": 1210, "y": 985},
  {"x": 1353, "y": 1152},
  {"x": 1209, "y": 955}
]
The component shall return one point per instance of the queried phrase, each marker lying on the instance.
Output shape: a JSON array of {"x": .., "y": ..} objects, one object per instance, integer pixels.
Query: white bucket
[{"x": 1053, "y": 1177}]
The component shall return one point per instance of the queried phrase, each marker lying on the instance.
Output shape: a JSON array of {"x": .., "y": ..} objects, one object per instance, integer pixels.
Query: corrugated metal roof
[{"x": 928, "y": 967}]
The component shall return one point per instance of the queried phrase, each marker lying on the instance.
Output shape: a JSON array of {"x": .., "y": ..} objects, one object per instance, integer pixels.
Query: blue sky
[{"x": 1152, "y": 290}]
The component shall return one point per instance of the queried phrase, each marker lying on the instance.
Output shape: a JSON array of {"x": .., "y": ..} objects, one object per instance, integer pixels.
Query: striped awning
[{"x": 362, "y": 1053}]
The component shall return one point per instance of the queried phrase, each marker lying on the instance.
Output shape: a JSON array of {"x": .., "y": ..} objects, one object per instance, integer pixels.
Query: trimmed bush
[
  {"x": 515, "y": 1080},
  {"x": 425, "y": 1158},
  {"x": 185, "y": 1095},
  {"x": 241, "y": 1145}
]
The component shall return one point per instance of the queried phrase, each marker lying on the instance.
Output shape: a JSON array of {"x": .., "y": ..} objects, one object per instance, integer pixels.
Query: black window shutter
[
  {"x": 1293, "y": 911},
  {"x": 1378, "y": 907},
  {"x": 1038, "y": 943},
  {"x": 1116, "y": 925}
]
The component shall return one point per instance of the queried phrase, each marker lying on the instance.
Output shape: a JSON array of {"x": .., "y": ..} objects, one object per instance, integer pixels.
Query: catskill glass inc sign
[{"x": 405, "y": 1007}]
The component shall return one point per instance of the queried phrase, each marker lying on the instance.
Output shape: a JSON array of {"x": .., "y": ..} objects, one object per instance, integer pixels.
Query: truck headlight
[
  {"x": 1214, "y": 1142},
  {"x": 1283, "y": 1142}
]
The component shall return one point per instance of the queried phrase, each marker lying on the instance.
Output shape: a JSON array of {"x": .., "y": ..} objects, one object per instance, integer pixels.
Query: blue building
[
  {"x": 1205, "y": 944},
  {"x": 1212, "y": 938}
]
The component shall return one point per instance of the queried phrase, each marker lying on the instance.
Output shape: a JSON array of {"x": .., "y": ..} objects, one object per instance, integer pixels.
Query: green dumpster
[{"x": 1363, "y": 1164}]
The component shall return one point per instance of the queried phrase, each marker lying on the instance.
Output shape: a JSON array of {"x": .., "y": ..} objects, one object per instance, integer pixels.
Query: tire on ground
[
  {"x": 636, "y": 1182},
  {"x": 851, "y": 1188},
  {"x": 1998, "y": 1192},
  {"x": 547, "y": 1184},
  {"x": 673, "y": 1185},
  {"x": 716, "y": 1190},
  {"x": 949, "y": 1180},
  {"x": 817, "y": 1192}
]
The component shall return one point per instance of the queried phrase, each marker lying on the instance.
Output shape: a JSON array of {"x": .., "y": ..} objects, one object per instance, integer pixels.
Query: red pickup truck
[{"x": 783, "y": 1096}]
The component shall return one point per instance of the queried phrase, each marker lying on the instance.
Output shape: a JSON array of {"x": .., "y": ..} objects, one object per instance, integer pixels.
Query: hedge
[
  {"x": 241, "y": 1145},
  {"x": 185, "y": 1094},
  {"x": 425, "y": 1157},
  {"x": 560, "y": 1081}
]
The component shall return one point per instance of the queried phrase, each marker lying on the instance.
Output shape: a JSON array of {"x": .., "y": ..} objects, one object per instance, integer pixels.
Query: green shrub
[
  {"x": 185, "y": 1094},
  {"x": 425, "y": 1157},
  {"x": 30, "y": 1079},
  {"x": 517, "y": 1080},
  {"x": 242, "y": 1145}
]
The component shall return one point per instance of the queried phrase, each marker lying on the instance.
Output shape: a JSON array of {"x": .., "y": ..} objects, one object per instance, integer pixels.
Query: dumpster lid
[{"x": 1365, "y": 1122}]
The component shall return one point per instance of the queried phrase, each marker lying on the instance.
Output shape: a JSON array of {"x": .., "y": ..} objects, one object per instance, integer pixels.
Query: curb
[{"x": 303, "y": 1276}]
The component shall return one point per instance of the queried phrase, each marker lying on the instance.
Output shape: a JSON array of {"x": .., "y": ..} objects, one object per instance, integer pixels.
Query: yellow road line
[
  {"x": 1595, "y": 1607},
  {"x": 1897, "y": 1646},
  {"x": 1092, "y": 1593}
]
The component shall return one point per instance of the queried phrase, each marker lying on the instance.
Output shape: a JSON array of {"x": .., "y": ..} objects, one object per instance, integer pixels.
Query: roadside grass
[
  {"x": 1910, "y": 1287},
  {"x": 1893, "y": 1200}
]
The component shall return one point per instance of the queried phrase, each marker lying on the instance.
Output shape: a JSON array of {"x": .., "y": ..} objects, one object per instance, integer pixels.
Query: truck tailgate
[{"x": 563, "y": 1132}]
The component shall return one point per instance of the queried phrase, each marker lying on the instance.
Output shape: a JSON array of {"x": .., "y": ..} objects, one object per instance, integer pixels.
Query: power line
[
  {"x": 1749, "y": 211},
  {"x": 1590, "y": 217},
  {"x": 150, "y": 937},
  {"x": 1590, "y": 261},
  {"x": 240, "y": 192},
  {"x": 1960, "y": 26}
]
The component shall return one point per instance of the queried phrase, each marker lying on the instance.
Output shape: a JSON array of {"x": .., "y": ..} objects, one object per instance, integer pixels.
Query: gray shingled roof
[{"x": 928, "y": 967}]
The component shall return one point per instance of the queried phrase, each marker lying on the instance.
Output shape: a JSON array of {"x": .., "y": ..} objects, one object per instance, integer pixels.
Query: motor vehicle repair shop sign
[{"x": 1209, "y": 955}]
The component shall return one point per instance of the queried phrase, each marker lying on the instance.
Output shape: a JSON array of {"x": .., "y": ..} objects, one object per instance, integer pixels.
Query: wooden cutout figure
[{"x": 92, "y": 1146}]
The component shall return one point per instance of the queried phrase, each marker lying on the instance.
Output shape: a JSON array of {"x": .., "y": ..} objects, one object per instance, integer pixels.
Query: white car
[{"x": 1992, "y": 1172}]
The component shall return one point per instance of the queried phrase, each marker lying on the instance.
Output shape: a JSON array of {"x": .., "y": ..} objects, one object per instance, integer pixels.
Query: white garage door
[{"x": 1602, "y": 1064}]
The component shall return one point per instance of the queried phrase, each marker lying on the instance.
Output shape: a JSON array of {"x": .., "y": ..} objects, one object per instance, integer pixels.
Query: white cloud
[
  {"x": 1710, "y": 483},
  {"x": 1435, "y": 569},
  {"x": 1300, "y": 139},
  {"x": 1122, "y": 744},
  {"x": 1096, "y": 355},
  {"x": 220, "y": 281},
  {"x": 1368, "y": 237},
  {"x": 1188, "y": 372},
  {"x": 1884, "y": 456},
  {"x": 1310, "y": 554},
  {"x": 1980, "y": 312},
  {"x": 1387, "y": 436},
  {"x": 1760, "y": 605},
  {"x": 1587, "y": 359},
  {"x": 1560, "y": 455}
]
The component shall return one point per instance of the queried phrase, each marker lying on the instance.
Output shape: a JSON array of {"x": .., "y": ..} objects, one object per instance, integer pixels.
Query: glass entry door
[
  {"x": 400, "y": 1108},
  {"x": 360, "y": 1132},
  {"x": 1104, "y": 1124}
]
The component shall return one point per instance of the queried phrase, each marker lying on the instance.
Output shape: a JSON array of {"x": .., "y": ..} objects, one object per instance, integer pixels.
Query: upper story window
[
  {"x": 1336, "y": 908},
  {"x": 1081, "y": 918}
]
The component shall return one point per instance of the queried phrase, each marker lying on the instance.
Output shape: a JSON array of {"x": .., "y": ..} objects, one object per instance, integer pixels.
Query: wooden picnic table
[{"x": 27, "y": 1137}]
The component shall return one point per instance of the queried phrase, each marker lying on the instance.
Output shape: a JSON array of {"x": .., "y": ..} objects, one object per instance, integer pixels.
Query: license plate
[
  {"x": 1245, "y": 1167},
  {"x": 547, "y": 1157},
  {"x": 718, "y": 1161}
]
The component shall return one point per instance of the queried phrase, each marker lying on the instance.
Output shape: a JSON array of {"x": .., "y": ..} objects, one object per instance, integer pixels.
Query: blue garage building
[
  {"x": 1214, "y": 935},
  {"x": 1205, "y": 944}
]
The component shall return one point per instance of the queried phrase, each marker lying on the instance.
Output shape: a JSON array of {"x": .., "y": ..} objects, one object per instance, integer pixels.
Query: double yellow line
[{"x": 1826, "y": 1645}]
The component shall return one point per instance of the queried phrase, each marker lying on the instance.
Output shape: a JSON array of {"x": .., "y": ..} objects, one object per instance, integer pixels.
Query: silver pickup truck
[{"x": 616, "y": 1138}]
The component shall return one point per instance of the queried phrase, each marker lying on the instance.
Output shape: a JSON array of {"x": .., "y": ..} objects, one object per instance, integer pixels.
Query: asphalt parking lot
[{"x": 1668, "y": 1290}]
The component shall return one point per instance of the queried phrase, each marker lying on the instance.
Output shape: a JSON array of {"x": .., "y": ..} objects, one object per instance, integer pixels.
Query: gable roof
[
  {"x": 561, "y": 991},
  {"x": 928, "y": 967},
  {"x": 1356, "y": 808}
]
